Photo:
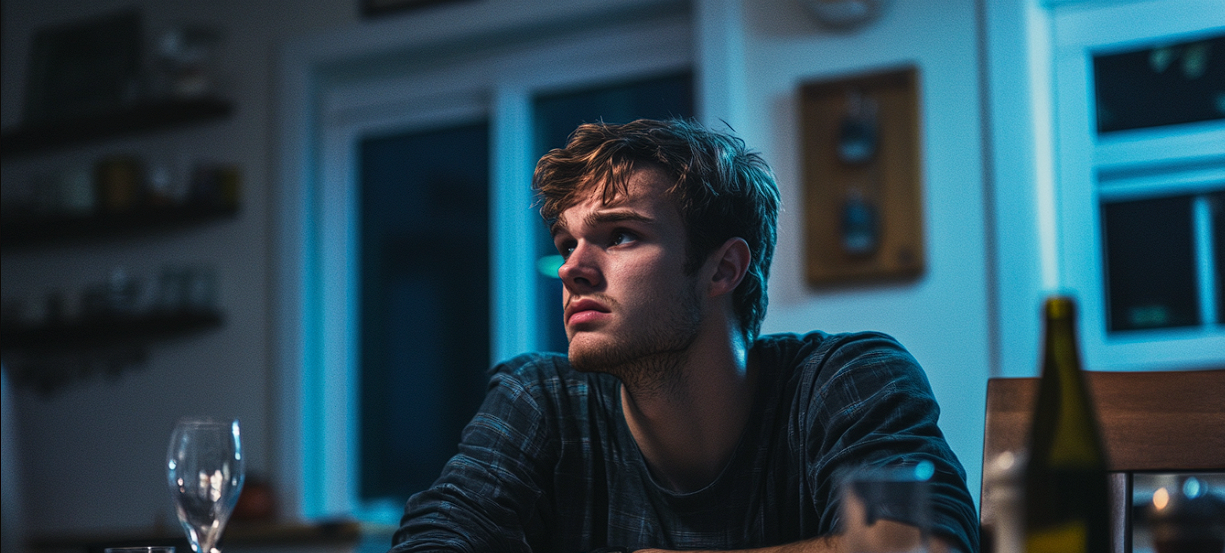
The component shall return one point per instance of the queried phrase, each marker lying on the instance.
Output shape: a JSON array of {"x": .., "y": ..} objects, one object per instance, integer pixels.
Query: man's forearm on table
[
  {"x": 884, "y": 540},
  {"x": 820, "y": 544}
]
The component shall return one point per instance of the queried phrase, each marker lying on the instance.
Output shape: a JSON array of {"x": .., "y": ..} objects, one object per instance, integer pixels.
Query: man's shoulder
[
  {"x": 545, "y": 374},
  {"x": 542, "y": 391},
  {"x": 532, "y": 369},
  {"x": 815, "y": 347},
  {"x": 816, "y": 362},
  {"x": 817, "y": 337},
  {"x": 531, "y": 364}
]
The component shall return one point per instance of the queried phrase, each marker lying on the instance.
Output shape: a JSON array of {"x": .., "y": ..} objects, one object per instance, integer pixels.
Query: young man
[{"x": 670, "y": 423}]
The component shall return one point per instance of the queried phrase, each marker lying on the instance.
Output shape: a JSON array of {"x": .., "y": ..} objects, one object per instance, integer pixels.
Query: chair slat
[{"x": 1151, "y": 421}]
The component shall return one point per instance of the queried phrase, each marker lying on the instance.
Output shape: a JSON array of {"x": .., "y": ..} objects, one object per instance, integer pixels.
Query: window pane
[
  {"x": 1166, "y": 84},
  {"x": 1150, "y": 264},
  {"x": 556, "y": 116},
  {"x": 424, "y": 302}
]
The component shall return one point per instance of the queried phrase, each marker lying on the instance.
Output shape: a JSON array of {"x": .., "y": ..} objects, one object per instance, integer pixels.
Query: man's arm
[
  {"x": 885, "y": 535},
  {"x": 479, "y": 501},
  {"x": 870, "y": 405}
]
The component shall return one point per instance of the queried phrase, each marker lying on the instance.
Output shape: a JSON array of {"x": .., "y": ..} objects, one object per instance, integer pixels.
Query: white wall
[
  {"x": 92, "y": 455},
  {"x": 942, "y": 317}
]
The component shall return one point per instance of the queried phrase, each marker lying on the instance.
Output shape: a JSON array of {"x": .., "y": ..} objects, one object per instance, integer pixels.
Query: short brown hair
[{"x": 722, "y": 190}]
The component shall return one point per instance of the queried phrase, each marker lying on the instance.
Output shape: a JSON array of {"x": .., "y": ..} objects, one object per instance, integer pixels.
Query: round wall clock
[{"x": 845, "y": 14}]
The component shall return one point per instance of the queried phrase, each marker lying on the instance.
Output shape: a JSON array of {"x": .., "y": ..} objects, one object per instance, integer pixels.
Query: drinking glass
[
  {"x": 887, "y": 509},
  {"x": 205, "y": 472}
]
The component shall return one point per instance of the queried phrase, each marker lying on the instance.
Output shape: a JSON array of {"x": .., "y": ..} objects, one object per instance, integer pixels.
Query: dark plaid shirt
[{"x": 548, "y": 464}]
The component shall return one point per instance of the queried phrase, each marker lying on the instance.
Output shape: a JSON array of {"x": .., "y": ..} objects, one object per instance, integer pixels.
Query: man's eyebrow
[
  {"x": 616, "y": 216},
  {"x": 602, "y": 217}
]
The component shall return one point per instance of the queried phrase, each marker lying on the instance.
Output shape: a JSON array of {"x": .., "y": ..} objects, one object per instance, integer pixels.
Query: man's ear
[{"x": 731, "y": 264}]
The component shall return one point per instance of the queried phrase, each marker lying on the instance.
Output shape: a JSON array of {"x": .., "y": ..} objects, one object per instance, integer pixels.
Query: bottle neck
[
  {"x": 1074, "y": 426},
  {"x": 1062, "y": 353}
]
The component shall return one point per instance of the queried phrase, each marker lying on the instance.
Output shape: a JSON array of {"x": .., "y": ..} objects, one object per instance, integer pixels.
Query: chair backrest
[
  {"x": 1171, "y": 421},
  {"x": 1160, "y": 421}
]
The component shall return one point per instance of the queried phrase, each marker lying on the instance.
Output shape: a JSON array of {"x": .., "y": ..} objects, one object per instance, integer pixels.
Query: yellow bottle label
[{"x": 1070, "y": 537}]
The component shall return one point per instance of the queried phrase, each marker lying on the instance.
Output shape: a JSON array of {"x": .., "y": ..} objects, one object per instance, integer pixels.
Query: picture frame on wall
[
  {"x": 862, "y": 178},
  {"x": 85, "y": 68}
]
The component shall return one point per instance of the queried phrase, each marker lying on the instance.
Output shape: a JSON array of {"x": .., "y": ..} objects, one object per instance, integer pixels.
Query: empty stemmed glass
[{"x": 205, "y": 471}]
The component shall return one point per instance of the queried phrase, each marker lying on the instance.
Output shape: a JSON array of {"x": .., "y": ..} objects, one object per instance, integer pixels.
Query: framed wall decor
[
  {"x": 85, "y": 68},
  {"x": 862, "y": 178}
]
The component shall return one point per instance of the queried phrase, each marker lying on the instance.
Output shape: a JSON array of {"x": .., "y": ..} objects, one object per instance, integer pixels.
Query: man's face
[{"x": 628, "y": 303}]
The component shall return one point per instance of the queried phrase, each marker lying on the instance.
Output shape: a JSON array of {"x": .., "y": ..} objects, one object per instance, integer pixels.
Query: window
[
  {"x": 1140, "y": 135},
  {"x": 424, "y": 250},
  {"x": 1150, "y": 263},
  {"x": 1154, "y": 246},
  {"x": 397, "y": 113},
  {"x": 1160, "y": 84},
  {"x": 424, "y": 275}
]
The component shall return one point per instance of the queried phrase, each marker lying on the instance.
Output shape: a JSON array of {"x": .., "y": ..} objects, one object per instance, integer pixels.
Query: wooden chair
[{"x": 1161, "y": 421}]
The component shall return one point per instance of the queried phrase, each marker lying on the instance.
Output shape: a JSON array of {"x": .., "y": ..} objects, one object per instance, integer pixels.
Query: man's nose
[{"x": 581, "y": 270}]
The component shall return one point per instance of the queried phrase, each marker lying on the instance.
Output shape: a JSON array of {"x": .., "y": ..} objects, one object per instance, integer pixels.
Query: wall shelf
[
  {"x": 38, "y": 231},
  {"x": 49, "y": 357},
  {"x": 107, "y": 331},
  {"x": 47, "y": 136}
]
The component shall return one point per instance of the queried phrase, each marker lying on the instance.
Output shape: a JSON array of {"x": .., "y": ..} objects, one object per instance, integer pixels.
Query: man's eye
[
  {"x": 621, "y": 237},
  {"x": 565, "y": 249}
]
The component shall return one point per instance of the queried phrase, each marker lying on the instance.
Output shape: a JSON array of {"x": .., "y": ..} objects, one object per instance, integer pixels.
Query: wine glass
[{"x": 205, "y": 471}]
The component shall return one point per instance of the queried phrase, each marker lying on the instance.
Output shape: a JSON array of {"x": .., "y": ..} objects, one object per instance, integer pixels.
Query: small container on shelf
[
  {"x": 186, "y": 289},
  {"x": 76, "y": 191},
  {"x": 119, "y": 296},
  {"x": 215, "y": 185},
  {"x": 186, "y": 61},
  {"x": 120, "y": 182}
]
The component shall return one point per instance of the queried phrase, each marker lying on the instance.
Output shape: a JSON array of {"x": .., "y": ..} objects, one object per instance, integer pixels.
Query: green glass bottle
[{"x": 1066, "y": 490}]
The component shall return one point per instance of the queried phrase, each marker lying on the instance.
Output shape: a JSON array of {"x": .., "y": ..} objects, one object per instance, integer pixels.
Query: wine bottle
[{"x": 1066, "y": 489}]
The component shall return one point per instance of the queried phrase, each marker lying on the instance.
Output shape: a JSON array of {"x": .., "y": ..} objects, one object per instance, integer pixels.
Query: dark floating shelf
[
  {"x": 24, "y": 232},
  {"x": 49, "y": 357},
  {"x": 109, "y": 331},
  {"x": 151, "y": 116}
]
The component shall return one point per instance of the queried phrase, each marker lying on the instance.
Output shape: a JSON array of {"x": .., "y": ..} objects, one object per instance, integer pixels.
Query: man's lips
[{"x": 584, "y": 310}]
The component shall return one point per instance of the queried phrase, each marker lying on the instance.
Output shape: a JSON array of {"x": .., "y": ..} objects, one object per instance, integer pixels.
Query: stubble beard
[{"x": 647, "y": 360}]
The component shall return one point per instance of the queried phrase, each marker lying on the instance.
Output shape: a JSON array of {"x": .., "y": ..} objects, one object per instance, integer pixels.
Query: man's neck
[{"x": 688, "y": 430}]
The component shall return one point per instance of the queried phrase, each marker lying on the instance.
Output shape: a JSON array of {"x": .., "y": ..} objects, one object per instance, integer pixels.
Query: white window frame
[
  {"x": 317, "y": 242},
  {"x": 1045, "y": 237},
  {"x": 1120, "y": 165}
]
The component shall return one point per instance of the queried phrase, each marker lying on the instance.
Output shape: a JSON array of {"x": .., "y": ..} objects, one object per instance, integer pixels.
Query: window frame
[
  {"x": 1135, "y": 163},
  {"x": 1032, "y": 169}
]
